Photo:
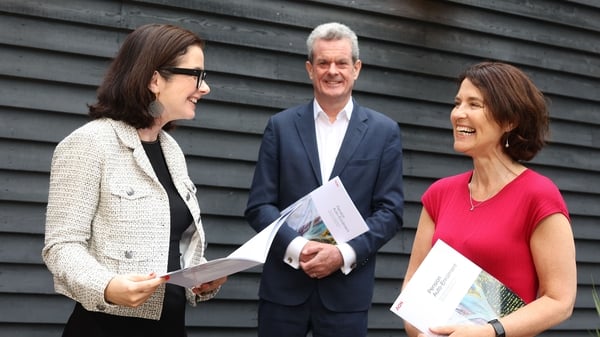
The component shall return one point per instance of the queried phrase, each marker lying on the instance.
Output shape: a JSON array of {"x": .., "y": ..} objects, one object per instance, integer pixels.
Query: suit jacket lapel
[
  {"x": 357, "y": 127},
  {"x": 305, "y": 124}
]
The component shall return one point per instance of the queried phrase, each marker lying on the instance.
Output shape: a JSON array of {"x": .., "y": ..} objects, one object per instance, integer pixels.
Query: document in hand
[
  {"x": 448, "y": 288},
  {"x": 326, "y": 214}
]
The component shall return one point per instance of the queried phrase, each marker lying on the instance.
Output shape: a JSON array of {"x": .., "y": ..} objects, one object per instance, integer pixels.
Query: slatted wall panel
[{"x": 54, "y": 55}]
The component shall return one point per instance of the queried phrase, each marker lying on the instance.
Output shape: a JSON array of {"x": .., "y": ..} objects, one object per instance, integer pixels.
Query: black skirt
[{"x": 84, "y": 323}]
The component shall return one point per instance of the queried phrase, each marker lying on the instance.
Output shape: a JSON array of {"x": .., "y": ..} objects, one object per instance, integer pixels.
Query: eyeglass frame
[{"x": 199, "y": 73}]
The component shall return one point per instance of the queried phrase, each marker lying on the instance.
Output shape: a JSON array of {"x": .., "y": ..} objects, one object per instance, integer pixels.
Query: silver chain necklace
[{"x": 475, "y": 205}]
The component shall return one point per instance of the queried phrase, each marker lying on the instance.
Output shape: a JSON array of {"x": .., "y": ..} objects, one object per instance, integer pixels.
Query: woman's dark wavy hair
[
  {"x": 512, "y": 100},
  {"x": 124, "y": 94}
]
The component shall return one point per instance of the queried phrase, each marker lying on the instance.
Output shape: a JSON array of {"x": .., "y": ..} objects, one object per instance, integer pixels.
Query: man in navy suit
[{"x": 307, "y": 285}]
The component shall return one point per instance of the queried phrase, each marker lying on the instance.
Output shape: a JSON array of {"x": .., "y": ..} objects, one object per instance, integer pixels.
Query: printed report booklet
[
  {"x": 448, "y": 288},
  {"x": 327, "y": 214}
]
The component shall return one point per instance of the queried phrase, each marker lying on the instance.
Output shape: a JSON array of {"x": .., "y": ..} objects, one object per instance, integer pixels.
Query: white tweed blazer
[{"x": 108, "y": 214}]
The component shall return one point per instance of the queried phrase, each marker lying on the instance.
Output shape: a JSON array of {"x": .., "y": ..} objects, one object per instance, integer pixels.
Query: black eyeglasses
[{"x": 199, "y": 73}]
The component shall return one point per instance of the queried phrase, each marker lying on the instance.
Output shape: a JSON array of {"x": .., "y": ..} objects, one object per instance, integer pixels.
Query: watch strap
[{"x": 498, "y": 328}]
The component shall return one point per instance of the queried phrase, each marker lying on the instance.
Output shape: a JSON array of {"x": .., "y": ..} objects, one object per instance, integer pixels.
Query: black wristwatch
[{"x": 497, "y": 327}]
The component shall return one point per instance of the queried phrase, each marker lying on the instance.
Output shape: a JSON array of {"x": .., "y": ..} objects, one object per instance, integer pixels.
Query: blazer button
[
  {"x": 130, "y": 191},
  {"x": 128, "y": 254}
]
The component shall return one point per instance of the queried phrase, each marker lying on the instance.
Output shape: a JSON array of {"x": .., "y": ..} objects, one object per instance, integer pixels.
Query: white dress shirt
[{"x": 330, "y": 136}]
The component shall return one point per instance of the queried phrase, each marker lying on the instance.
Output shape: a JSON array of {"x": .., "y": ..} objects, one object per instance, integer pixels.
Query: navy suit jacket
[{"x": 369, "y": 164}]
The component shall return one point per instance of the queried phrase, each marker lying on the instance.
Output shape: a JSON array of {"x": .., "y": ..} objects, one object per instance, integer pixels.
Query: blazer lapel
[
  {"x": 143, "y": 162},
  {"x": 129, "y": 137},
  {"x": 305, "y": 124},
  {"x": 357, "y": 127}
]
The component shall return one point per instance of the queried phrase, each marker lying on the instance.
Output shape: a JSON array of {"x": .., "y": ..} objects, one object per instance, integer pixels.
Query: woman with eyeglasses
[{"x": 122, "y": 210}]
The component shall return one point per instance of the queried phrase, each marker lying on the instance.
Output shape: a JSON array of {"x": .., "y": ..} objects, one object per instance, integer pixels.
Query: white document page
[
  {"x": 329, "y": 203},
  {"x": 436, "y": 288},
  {"x": 252, "y": 253},
  {"x": 338, "y": 211}
]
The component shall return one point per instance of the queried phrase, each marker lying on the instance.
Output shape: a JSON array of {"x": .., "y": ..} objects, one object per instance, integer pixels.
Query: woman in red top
[{"x": 506, "y": 218}]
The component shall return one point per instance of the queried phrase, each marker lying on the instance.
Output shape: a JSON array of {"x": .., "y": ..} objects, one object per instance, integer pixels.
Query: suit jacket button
[{"x": 128, "y": 254}]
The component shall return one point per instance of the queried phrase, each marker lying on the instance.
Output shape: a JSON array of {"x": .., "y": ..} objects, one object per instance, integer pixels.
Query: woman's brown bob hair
[
  {"x": 124, "y": 94},
  {"x": 512, "y": 100}
]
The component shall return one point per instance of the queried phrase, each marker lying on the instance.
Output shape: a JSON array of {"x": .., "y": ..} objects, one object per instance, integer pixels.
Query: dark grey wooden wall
[{"x": 53, "y": 55}]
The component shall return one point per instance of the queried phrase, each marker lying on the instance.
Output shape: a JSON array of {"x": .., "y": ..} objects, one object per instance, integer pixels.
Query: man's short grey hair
[{"x": 332, "y": 31}]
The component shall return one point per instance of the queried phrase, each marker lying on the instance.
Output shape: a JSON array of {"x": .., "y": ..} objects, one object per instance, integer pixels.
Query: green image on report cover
[
  {"x": 308, "y": 223},
  {"x": 485, "y": 300}
]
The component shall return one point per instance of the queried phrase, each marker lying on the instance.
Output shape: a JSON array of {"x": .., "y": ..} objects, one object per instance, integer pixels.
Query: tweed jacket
[{"x": 108, "y": 214}]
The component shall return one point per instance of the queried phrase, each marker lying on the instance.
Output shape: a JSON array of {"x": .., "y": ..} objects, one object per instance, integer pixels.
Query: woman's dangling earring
[
  {"x": 506, "y": 145},
  {"x": 155, "y": 108}
]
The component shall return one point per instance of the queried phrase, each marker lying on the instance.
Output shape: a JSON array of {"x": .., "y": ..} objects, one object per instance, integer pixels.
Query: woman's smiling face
[
  {"x": 179, "y": 93},
  {"x": 475, "y": 132}
]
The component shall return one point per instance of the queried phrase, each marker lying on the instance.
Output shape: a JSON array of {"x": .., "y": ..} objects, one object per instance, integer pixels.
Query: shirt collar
[{"x": 346, "y": 110}]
